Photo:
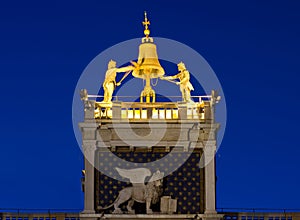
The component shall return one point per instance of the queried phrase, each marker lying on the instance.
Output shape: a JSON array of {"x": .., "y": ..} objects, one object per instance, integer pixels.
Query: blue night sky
[{"x": 253, "y": 47}]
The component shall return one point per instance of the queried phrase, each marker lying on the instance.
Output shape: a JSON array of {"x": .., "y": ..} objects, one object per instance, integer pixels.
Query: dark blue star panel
[{"x": 186, "y": 184}]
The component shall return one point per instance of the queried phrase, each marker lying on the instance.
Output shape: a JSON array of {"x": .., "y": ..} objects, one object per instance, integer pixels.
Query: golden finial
[{"x": 146, "y": 23}]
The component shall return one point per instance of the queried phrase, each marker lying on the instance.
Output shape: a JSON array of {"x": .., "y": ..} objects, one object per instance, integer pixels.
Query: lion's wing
[{"x": 137, "y": 175}]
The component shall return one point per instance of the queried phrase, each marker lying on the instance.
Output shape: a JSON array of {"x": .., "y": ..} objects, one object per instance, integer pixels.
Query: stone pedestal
[
  {"x": 116, "y": 110},
  {"x": 182, "y": 110}
]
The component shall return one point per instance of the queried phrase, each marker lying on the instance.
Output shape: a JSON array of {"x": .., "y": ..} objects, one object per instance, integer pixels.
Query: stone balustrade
[{"x": 135, "y": 111}]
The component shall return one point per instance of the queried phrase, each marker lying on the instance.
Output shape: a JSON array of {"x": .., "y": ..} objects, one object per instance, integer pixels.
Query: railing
[
  {"x": 73, "y": 214},
  {"x": 158, "y": 110},
  {"x": 259, "y": 214},
  {"x": 99, "y": 98},
  {"x": 39, "y": 214},
  {"x": 165, "y": 110}
]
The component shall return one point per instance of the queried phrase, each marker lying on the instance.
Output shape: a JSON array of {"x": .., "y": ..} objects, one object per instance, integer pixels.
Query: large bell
[{"x": 148, "y": 65}]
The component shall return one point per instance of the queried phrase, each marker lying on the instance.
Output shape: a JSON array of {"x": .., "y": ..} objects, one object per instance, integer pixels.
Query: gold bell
[
  {"x": 147, "y": 66},
  {"x": 148, "y": 63}
]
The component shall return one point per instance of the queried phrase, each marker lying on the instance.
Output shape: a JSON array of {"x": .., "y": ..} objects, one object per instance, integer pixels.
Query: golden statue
[
  {"x": 147, "y": 67},
  {"x": 184, "y": 82},
  {"x": 109, "y": 83}
]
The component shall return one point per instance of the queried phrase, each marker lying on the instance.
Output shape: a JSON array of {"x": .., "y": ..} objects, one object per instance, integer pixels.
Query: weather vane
[{"x": 146, "y": 23}]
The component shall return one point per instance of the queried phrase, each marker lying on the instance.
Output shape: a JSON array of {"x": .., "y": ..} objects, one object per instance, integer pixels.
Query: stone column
[
  {"x": 182, "y": 110},
  {"x": 89, "y": 111},
  {"x": 89, "y": 148},
  {"x": 116, "y": 110},
  {"x": 210, "y": 178}
]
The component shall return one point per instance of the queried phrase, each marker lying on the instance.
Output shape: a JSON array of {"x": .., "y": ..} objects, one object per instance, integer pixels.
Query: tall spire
[{"x": 146, "y": 23}]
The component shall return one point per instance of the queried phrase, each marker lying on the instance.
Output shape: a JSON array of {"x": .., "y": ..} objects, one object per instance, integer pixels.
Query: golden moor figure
[
  {"x": 184, "y": 82},
  {"x": 110, "y": 83}
]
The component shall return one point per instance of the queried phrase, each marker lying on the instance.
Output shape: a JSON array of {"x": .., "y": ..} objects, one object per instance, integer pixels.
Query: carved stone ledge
[
  {"x": 212, "y": 216},
  {"x": 144, "y": 216}
]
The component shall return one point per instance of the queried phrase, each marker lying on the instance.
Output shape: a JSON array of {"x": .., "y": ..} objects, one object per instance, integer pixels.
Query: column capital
[{"x": 89, "y": 145}]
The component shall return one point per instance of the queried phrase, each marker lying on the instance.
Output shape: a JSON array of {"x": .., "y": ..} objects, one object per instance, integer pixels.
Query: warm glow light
[
  {"x": 124, "y": 113},
  {"x": 161, "y": 113},
  {"x": 97, "y": 113},
  {"x": 109, "y": 113},
  {"x": 168, "y": 114},
  {"x": 144, "y": 114},
  {"x": 202, "y": 116},
  {"x": 137, "y": 114},
  {"x": 189, "y": 113},
  {"x": 175, "y": 114},
  {"x": 195, "y": 113},
  {"x": 192, "y": 113},
  {"x": 130, "y": 114},
  {"x": 155, "y": 114}
]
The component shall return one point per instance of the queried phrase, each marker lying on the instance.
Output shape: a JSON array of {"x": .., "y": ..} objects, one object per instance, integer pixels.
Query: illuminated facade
[{"x": 176, "y": 138}]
